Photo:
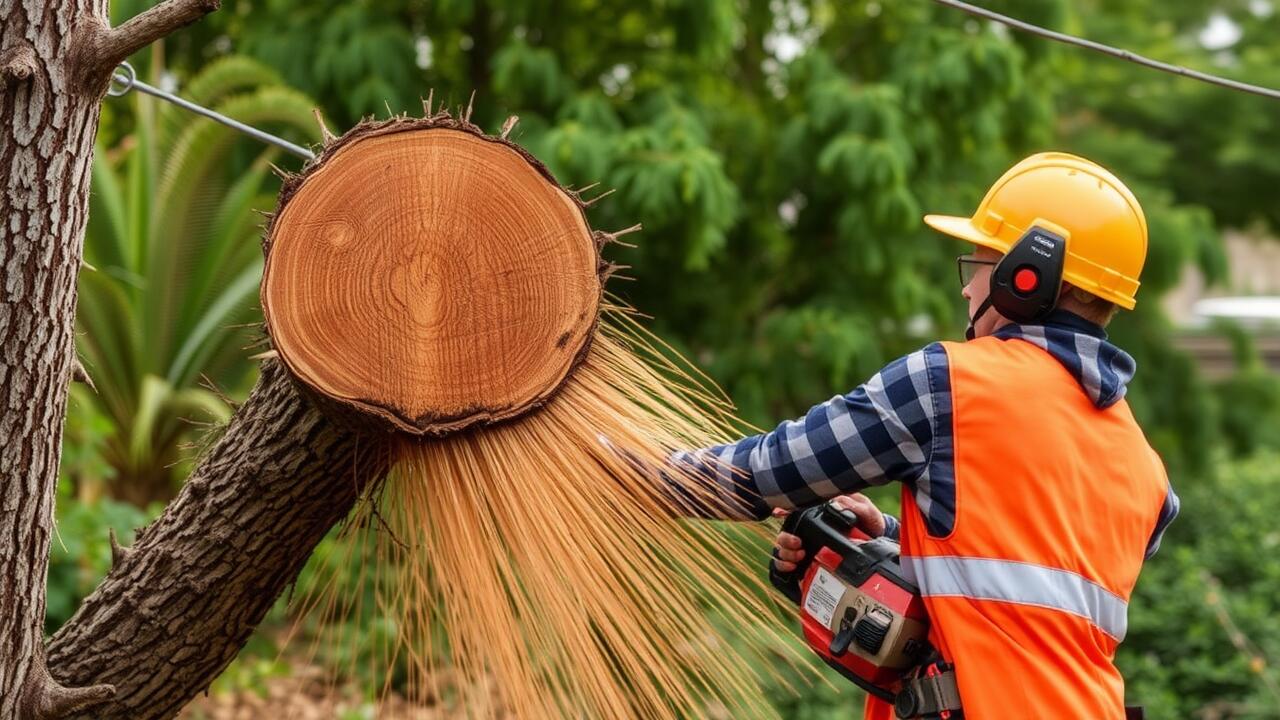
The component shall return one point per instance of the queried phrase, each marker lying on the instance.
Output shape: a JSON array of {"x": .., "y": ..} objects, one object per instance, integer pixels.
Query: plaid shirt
[{"x": 890, "y": 428}]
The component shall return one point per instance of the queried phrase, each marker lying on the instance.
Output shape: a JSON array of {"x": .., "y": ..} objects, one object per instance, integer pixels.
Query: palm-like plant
[{"x": 173, "y": 235}]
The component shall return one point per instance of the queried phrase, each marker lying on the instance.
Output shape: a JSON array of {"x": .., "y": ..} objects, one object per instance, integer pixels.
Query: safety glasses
[{"x": 968, "y": 266}]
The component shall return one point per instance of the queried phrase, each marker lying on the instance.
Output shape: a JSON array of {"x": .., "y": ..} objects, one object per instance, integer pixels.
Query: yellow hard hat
[{"x": 1080, "y": 200}]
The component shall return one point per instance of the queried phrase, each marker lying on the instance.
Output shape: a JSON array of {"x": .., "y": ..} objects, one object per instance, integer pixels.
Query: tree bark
[
  {"x": 47, "y": 128},
  {"x": 173, "y": 613},
  {"x": 177, "y": 606}
]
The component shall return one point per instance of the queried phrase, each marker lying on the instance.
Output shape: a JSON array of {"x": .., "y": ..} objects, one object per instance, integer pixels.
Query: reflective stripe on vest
[{"x": 1022, "y": 583}]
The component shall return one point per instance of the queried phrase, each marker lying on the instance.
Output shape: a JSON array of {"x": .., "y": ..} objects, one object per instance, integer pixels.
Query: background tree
[{"x": 787, "y": 150}]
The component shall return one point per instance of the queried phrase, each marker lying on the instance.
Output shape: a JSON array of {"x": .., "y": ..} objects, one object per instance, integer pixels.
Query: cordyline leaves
[{"x": 174, "y": 239}]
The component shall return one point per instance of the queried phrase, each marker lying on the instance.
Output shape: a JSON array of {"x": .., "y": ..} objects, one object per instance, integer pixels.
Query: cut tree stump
[{"x": 424, "y": 277}]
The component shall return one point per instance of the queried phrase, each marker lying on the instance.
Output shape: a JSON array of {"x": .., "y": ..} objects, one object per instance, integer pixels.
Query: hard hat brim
[{"x": 963, "y": 229}]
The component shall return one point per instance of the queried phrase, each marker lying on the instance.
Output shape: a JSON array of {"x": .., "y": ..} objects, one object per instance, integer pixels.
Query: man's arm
[{"x": 881, "y": 431}]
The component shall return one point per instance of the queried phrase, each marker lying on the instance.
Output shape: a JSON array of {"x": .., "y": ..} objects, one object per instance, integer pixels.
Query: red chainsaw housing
[{"x": 883, "y": 587}]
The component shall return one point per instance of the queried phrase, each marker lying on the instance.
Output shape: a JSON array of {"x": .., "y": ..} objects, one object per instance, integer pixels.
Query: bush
[
  {"x": 81, "y": 550},
  {"x": 1203, "y": 636}
]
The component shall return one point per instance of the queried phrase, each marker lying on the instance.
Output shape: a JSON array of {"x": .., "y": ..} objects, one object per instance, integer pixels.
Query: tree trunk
[
  {"x": 47, "y": 128},
  {"x": 180, "y": 604},
  {"x": 173, "y": 613}
]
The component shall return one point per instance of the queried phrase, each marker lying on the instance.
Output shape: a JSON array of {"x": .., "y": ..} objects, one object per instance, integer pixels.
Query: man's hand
[{"x": 786, "y": 549}]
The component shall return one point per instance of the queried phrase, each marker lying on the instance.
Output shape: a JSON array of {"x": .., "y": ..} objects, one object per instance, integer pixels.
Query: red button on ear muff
[{"x": 1025, "y": 280}]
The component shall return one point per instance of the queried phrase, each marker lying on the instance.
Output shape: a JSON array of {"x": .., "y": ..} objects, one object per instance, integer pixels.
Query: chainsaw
[{"x": 859, "y": 613}]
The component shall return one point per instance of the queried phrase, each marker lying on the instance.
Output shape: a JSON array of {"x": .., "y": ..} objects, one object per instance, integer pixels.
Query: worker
[{"x": 1030, "y": 496}]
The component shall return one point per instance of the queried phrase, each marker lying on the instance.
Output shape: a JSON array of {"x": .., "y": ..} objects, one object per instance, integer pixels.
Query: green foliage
[
  {"x": 173, "y": 237},
  {"x": 256, "y": 665},
  {"x": 350, "y": 51},
  {"x": 1181, "y": 658},
  {"x": 81, "y": 551},
  {"x": 667, "y": 172},
  {"x": 530, "y": 76},
  {"x": 1250, "y": 399},
  {"x": 1219, "y": 142},
  {"x": 339, "y": 602},
  {"x": 85, "y": 432}
]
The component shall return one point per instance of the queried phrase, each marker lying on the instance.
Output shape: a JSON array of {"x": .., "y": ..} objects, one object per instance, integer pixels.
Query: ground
[{"x": 306, "y": 695}]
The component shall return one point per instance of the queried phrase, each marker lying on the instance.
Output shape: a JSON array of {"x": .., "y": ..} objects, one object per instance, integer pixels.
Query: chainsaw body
[{"x": 859, "y": 613}]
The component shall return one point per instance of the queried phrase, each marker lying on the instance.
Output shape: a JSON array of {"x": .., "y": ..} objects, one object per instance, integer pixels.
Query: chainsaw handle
[
  {"x": 818, "y": 526},
  {"x": 788, "y": 583},
  {"x": 792, "y": 521}
]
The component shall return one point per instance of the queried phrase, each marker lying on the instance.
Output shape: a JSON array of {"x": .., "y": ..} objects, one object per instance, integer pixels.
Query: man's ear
[{"x": 1087, "y": 305}]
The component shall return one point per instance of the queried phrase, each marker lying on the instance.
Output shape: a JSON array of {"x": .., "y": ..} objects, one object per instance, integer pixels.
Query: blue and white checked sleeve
[
  {"x": 892, "y": 527},
  {"x": 1167, "y": 513},
  {"x": 881, "y": 431}
]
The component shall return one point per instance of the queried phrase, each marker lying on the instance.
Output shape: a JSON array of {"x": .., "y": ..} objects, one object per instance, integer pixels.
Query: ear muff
[{"x": 1026, "y": 282}]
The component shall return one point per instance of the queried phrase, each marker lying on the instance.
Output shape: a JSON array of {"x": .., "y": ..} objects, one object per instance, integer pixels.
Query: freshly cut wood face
[{"x": 430, "y": 277}]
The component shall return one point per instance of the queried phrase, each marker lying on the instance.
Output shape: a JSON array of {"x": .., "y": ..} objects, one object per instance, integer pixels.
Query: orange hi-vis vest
[{"x": 1056, "y": 500}]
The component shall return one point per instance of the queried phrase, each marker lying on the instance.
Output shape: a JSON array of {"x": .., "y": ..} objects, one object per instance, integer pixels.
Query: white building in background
[{"x": 1250, "y": 297}]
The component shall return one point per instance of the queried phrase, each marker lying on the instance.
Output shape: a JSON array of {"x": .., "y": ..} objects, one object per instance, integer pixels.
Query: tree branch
[
  {"x": 178, "y": 605},
  {"x": 57, "y": 702},
  {"x": 114, "y": 45},
  {"x": 46, "y": 699},
  {"x": 17, "y": 64},
  {"x": 80, "y": 375},
  {"x": 118, "y": 551}
]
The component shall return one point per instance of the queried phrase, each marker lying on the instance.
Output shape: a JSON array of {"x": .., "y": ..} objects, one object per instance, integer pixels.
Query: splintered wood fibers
[
  {"x": 528, "y": 554},
  {"x": 543, "y": 569}
]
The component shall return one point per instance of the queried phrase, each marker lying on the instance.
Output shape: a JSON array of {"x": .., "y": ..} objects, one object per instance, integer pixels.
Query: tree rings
[{"x": 429, "y": 277}]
